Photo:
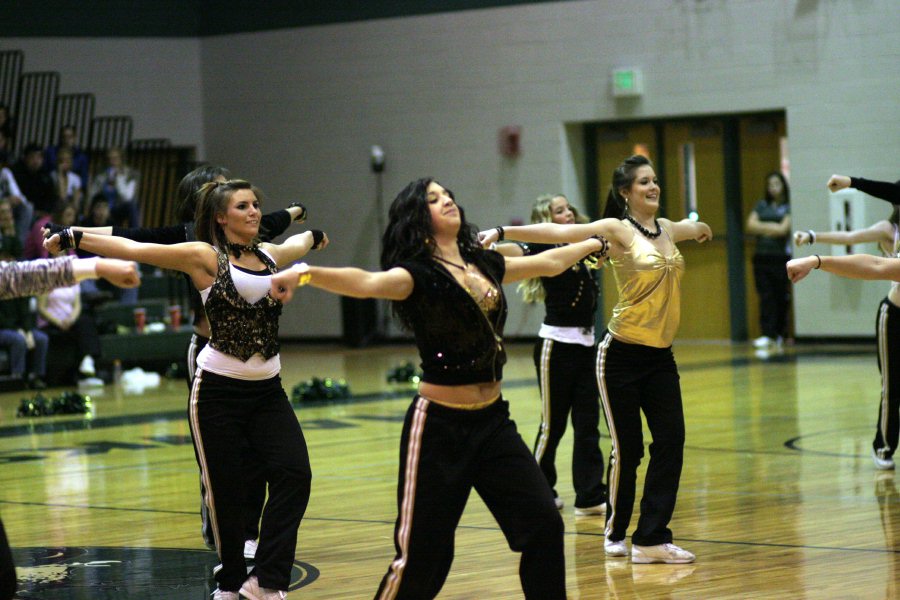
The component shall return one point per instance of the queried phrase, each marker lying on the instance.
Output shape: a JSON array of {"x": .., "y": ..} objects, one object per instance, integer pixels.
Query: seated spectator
[
  {"x": 61, "y": 317},
  {"x": 18, "y": 333},
  {"x": 10, "y": 244},
  {"x": 68, "y": 183},
  {"x": 118, "y": 182},
  {"x": 63, "y": 214},
  {"x": 5, "y": 144},
  {"x": 23, "y": 211},
  {"x": 36, "y": 184},
  {"x": 68, "y": 139}
]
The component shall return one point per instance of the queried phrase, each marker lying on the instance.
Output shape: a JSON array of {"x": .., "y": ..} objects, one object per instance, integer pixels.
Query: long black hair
[
  {"x": 190, "y": 184},
  {"x": 623, "y": 177},
  {"x": 785, "y": 188},
  {"x": 409, "y": 233}
]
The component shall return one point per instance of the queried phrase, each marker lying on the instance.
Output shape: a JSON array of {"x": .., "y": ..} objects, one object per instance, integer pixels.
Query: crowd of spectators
[{"x": 55, "y": 184}]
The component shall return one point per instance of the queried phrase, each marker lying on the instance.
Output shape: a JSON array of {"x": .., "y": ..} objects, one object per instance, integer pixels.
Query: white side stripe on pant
[{"x": 615, "y": 469}]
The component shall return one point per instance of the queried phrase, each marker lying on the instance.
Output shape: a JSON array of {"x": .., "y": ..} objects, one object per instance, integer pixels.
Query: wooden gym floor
[{"x": 779, "y": 497}]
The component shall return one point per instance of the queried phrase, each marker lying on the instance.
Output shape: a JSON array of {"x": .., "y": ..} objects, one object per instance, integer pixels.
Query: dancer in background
[
  {"x": 886, "y": 234},
  {"x": 565, "y": 357},
  {"x": 636, "y": 368},
  {"x": 457, "y": 434},
  {"x": 237, "y": 400}
]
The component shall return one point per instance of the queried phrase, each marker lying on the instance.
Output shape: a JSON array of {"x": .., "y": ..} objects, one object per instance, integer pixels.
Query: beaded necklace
[{"x": 647, "y": 233}]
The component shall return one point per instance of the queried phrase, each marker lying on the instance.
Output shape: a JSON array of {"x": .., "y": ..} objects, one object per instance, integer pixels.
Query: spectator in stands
[
  {"x": 119, "y": 182},
  {"x": 63, "y": 214},
  {"x": 5, "y": 144},
  {"x": 68, "y": 139},
  {"x": 23, "y": 211},
  {"x": 18, "y": 333},
  {"x": 36, "y": 184},
  {"x": 66, "y": 325},
  {"x": 10, "y": 244},
  {"x": 68, "y": 182},
  {"x": 92, "y": 290}
]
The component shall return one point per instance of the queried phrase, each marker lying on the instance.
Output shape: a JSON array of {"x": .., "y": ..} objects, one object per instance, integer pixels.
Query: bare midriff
[{"x": 471, "y": 396}]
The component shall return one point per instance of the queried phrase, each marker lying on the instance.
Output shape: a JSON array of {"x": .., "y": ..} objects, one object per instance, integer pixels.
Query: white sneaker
[
  {"x": 559, "y": 503},
  {"x": 251, "y": 590},
  {"x": 86, "y": 367},
  {"x": 591, "y": 511},
  {"x": 250, "y": 547},
  {"x": 762, "y": 341},
  {"x": 223, "y": 595},
  {"x": 882, "y": 464},
  {"x": 661, "y": 553},
  {"x": 612, "y": 548}
]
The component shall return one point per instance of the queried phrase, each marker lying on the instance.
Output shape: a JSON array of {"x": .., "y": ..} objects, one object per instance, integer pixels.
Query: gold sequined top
[{"x": 649, "y": 287}]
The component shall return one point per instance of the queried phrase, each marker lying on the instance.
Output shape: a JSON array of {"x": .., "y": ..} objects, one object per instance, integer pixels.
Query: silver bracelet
[{"x": 812, "y": 236}]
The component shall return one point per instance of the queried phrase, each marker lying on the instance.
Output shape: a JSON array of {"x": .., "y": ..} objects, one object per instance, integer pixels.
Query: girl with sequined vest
[
  {"x": 886, "y": 234},
  {"x": 636, "y": 369},
  {"x": 237, "y": 400},
  {"x": 457, "y": 434},
  {"x": 564, "y": 357}
]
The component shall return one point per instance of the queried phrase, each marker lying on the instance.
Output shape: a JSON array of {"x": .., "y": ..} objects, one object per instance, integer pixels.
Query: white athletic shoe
[
  {"x": 762, "y": 341},
  {"x": 223, "y": 595},
  {"x": 250, "y": 549},
  {"x": 882, "y": 464},
  {"x": 619, "y": 548},
  {"x": 661, "y": 553},
  {"x": 591, "y": 511},
  {"x": 559, "y": 503},
  {"x": 86, "y": 367},
  {"x": 251, "y": 590}
]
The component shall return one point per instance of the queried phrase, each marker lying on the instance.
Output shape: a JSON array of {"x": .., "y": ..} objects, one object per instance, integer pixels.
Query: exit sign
[{"x": 627, "y": 83}]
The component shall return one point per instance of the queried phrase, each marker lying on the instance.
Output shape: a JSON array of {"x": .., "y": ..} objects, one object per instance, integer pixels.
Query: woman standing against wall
[
  {"x": 770, "y": 221},
  {"x": 564, "y": 357},
  {"x": 636, "y": 369}
]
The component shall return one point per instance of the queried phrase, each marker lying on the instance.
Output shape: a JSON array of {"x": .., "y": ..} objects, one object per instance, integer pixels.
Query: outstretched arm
[
  {"x": 297, "y": 246},
  {"x": 552, "y": 262},
  {"x": 690, "y": 230},
  {"x": 885, "y": 190},
  {"x": 395, "y": 284},
  {"x": 553, "y": 233},
  {"x": 854, "y": 266},
  {"x": 880, "y": 232},
  {"x": 32, "y": 277}
]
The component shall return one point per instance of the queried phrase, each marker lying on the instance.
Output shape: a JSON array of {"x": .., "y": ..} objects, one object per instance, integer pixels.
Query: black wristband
[
  {"x": 76, "y": 236},
  {"x": 604, "y": 248},
  {"x": 302, "y": 215},
  {"x": 318, "y": 236},
  {"x": 500, "y": 234},
  {"x": 65, "y": 239},
  {"x": 53, "y": 228},
  {"x": 818, "y": 258}
]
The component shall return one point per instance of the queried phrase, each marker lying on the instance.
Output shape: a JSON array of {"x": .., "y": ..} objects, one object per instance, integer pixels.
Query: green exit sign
[{"x": 627, "y": 83}]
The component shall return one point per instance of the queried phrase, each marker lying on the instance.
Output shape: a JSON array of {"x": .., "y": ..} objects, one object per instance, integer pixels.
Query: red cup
[
  {"x": 175, "y": 316},
  {"x": 140, "y": 319}
]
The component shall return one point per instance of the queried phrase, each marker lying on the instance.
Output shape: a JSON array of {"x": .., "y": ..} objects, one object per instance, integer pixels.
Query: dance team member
[
  {"x": 457, "y": 434},
  {"x": 636, "y": 369},
  {"x": 271, "y": 226},
  {"x": 564, "y": 357},
  {"x": 887, "y": 323},
  {"x": 237, "y": 400},
  {"x": 34, "y": 277}
]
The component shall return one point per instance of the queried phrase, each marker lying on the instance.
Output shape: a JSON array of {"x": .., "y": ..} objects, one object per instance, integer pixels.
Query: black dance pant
[
  {"x": 7, "y": 568},
  {"x": 227, "y": 415},
  {"x": 888, "y": 337},
  {"x": 773, "y": 289},
  {"x": 568, "y": 385},
  {"x": 635, "y": 378},
  {"x": 254, "y": 478},
  {"x": 444, "y": 454}
]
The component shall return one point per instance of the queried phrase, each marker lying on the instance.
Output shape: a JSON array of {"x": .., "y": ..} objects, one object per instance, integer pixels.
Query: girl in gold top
[{"x": 635, "y": 366}]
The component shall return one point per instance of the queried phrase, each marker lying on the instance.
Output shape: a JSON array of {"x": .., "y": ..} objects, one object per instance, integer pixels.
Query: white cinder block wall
[{"x": 296, "y": 110}]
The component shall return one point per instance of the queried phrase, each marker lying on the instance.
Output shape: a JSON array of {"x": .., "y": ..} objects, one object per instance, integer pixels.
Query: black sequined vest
[{"x": 239, "y": 328}]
